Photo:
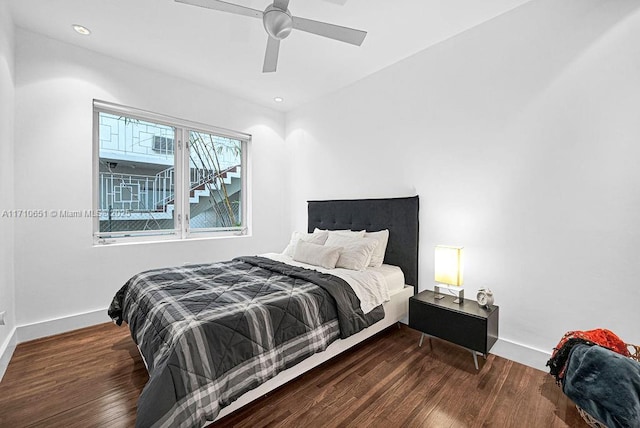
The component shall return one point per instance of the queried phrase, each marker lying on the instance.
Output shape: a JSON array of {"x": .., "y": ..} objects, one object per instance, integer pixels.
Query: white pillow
[
  {"x": 356, "y": 252},
  {"x": 315, "y": 238},
  {"x": 378, "y": 253},
  {"x": 317, "y": 255},
  {"x": 344, "y": 232}
]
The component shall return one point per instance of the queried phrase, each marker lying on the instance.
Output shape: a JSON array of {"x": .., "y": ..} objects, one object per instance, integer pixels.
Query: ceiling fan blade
[
  {"x": 336, "y": 32},
  {"x": 224, "y": 7},
  {"x": 271, "y": 55},
  {"x": 281, "y": 4}
]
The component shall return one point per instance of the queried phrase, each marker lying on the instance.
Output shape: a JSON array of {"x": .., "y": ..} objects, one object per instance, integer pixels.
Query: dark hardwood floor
[{"x": 93, "y": 377}]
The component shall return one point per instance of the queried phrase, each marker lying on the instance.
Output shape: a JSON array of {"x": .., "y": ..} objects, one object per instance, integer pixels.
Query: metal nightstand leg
[
  {"x": 473, "y": 353},
  {"x": 475, "y": 357},
  {"x": 422, "y": 337}
]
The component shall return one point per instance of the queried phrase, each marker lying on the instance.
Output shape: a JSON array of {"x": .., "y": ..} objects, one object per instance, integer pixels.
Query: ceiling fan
[{"x": 279, "y": 22}]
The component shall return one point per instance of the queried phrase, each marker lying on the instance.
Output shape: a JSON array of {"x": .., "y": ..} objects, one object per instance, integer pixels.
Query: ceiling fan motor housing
[{"x": 277, "y": 22}]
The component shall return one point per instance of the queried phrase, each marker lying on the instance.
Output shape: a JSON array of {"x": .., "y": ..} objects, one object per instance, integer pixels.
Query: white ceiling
[{"x": 225, "y": 51}]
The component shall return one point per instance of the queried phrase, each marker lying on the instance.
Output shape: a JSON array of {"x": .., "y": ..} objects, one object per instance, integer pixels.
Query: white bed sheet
[
  {"x": 393, "y": 275},
  {"x": 369, "y": 285}
]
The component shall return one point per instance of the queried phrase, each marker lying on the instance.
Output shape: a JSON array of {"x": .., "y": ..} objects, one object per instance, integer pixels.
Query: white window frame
[{"x": 181, "y": 230}]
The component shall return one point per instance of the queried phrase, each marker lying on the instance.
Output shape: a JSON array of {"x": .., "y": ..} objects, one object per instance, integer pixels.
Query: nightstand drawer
[
  {"x": 467, "y": 325},
  {"x": 465, "y": 331}
]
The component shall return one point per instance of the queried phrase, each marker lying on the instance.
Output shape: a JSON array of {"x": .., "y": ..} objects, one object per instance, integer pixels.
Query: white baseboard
[
  {"x": 37, "y": 330},
  {"x": 522, "y": 354},
  {"x": 41, "y": 329},
  {"x": 6, "y": 351}
]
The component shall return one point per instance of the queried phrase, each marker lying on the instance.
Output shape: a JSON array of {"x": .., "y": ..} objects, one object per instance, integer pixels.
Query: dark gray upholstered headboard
[{"x": 399, "y": 215}]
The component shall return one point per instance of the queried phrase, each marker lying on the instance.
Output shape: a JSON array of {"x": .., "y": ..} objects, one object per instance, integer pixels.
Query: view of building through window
[
  {"x": 136, "y": 175},
  {"x": 148, "y": 183}
]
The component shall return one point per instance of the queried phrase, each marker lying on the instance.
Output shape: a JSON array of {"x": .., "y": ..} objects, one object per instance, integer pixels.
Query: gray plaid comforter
[{"x": 209, "y": 333}]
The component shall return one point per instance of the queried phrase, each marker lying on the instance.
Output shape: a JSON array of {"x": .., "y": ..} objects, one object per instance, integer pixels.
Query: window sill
[{"x": 119, "y": 242}]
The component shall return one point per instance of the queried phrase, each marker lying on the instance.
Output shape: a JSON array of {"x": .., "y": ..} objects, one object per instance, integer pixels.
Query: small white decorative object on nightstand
[{"x": 485, "y": 297}]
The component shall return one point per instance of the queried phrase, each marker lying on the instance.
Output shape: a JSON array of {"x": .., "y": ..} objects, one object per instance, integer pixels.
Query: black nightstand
[{"x": 467, "y": 324}]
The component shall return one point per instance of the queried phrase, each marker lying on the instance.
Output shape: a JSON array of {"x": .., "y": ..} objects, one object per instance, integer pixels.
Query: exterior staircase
[{"x": 201, "y": 195}]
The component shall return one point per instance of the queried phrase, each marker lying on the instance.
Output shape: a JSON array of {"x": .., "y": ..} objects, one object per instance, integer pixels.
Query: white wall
[
  {"x": 58, "y": 272},
  {"x": 521, "y": 137},
  {"x": 7, "y": 93}
]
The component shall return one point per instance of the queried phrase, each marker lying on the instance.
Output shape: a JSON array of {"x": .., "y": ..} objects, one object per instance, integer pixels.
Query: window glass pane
[
  {"x": 215, "y": 175},
  {"x": 136, "y": 175}
]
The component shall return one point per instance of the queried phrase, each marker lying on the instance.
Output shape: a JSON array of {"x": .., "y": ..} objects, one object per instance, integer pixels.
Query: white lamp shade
[{"x": 448, "y": 265}]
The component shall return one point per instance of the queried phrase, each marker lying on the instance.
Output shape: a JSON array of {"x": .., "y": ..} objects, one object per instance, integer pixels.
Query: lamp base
[{"x": 457, "y": 291}]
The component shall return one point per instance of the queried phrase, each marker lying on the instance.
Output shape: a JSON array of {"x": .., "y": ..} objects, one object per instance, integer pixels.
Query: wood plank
[{"x": 93, "y": 377}]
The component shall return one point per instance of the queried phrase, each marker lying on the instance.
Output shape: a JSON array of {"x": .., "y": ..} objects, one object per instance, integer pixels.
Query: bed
[{"x": 210, "y": 349}]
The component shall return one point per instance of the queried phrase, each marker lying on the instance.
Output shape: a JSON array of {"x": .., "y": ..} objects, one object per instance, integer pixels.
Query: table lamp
[{"x": 448, "y": 271}]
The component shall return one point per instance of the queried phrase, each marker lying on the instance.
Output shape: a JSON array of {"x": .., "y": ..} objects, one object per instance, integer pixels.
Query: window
[{"x": 166, "y": 178}]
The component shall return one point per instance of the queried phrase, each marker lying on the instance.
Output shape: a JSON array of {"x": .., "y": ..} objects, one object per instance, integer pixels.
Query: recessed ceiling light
[
  {"x": 80, "y": 29},
  {"x": 278, "y": 99}
]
